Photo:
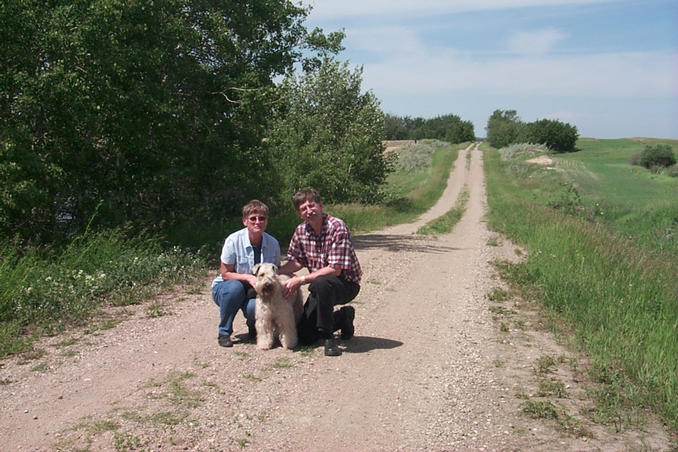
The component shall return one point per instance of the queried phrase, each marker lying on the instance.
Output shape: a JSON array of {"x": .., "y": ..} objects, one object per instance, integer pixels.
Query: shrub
[
  {"x": 659, "y": 155},
  {"x": 557, "y": 135},
  {"x": 505, "y": 127},
  {"x": 672, "y": 171},
  {"x": 635, "y": 160}
]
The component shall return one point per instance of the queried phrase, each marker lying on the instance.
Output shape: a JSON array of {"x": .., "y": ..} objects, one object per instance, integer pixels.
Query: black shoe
[
  {"x": 331, "y": 347},
  {"x": 252, "y": 333},
  {"x": 347, "y": 329},
  {"x": 225, "y": 341}
]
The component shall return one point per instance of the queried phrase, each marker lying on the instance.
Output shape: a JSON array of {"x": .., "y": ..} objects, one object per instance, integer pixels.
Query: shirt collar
[{"x": 323, "y": 228}]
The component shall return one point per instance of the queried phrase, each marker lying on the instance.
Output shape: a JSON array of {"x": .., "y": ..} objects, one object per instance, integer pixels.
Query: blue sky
[{"x": 609, "y": 67}]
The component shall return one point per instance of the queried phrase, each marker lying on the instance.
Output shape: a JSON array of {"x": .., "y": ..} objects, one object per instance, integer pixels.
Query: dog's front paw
[
  {"x": 289, "y": 341},
  {"x": 264, "y": 343}
]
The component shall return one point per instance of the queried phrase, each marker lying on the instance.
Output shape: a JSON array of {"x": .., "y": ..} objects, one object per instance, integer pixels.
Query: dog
[{"x": 276, "y": 317}]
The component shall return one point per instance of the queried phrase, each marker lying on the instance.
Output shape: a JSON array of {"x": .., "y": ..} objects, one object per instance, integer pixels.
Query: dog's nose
[{"x": 268, "y": 286}]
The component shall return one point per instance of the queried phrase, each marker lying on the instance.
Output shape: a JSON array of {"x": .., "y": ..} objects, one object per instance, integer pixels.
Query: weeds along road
[{"x": 430, "y": 367}]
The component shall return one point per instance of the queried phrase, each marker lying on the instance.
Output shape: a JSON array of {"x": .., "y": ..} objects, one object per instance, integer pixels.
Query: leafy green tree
[
  {"x": 658, "y": 155},
  {"x": 328, "y": 135},
  {"x": 139, "y": 112},
  {"x": 395, "y": 127},
  {"x": 503, "y": 128},
  {"x": 558, "y": 136},
  {"x": 446, "y": 127}
]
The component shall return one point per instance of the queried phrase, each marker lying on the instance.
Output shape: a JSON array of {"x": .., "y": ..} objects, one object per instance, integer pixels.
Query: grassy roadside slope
[
  {"x": 618, "y": 295},
  {"x": 628, "y": 199}
]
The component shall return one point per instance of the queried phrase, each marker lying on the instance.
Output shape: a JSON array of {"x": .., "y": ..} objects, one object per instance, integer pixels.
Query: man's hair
[
  {"x": 254, "y": 206},
  {"x": 307, "y": 194}
]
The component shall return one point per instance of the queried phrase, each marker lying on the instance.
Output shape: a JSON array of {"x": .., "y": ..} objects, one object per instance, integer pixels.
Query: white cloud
[
  {"x": 649, "y": 74},
  {"x": 385, "y": 40},
  {"x": 537, "y": 42}
]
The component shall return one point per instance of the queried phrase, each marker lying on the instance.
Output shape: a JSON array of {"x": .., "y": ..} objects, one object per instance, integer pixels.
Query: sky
[{"x": 608, "y": 67}]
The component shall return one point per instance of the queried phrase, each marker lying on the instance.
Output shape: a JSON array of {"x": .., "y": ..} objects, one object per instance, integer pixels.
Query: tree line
[
  {"x": 450, "y": 128},
  {"x": 504, "y": 128}
]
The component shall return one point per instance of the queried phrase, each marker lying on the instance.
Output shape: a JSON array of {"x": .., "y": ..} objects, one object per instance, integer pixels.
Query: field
[
  {"x": 630, "y": 199},
  {"x": 602, "y": 247}
]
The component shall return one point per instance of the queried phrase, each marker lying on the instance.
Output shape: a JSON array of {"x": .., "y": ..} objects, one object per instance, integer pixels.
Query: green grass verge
[
  {"x": 44, "y": 293},
  {"x": 618, "y": 297},
  {"x": 444, "y": 223}
]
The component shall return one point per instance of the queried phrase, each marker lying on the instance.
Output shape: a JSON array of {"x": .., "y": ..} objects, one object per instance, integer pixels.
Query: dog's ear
[
  {"x": 255, "y": 269},
  {"x": 275, "y": 268}
]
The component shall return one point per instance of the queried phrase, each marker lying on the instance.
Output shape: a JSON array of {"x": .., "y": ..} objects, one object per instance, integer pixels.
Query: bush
[
  {"x": 672, "y": 171},
  {"x": 558, "y": 136},
  {"x": 659, "y": 155},
  {"x": 505, "y": 128}
]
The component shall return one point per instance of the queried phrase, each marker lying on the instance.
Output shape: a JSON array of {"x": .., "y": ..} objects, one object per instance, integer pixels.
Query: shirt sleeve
[
  {"x": 228, "y": 252},
  {"x": 295, "y": 251}
]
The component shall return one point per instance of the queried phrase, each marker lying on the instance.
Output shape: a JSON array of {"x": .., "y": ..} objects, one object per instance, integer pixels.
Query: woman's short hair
[{"x": 254, "y": 206}]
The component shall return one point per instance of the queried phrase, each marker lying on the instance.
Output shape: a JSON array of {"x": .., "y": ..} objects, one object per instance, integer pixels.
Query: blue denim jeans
[{"x": 230, "y": 296}]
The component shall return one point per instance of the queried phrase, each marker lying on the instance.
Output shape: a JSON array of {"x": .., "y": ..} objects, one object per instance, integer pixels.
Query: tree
[
  {"x": 141, "y": 112},
  {"x": 446, "y": 127},
  {"x": 658, "y": 155},
  {"x": 395, "y": 128},
  {"x": 328, "y": 135},
  {"x": 503, "y": 128},
  {"x": 558, "y": 136}
]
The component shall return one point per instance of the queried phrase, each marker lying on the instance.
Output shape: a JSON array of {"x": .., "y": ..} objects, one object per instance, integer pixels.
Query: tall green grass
[
  {"x": 618, "y": 297},
  {"x": 43, "y": 293}
]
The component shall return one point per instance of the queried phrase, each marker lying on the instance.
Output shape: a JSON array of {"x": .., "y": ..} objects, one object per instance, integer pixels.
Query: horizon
[{"x": 608, "y": 67}]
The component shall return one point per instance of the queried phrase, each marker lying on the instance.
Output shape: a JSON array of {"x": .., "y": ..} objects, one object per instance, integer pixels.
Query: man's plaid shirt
[{"x": 333, "y": 247}]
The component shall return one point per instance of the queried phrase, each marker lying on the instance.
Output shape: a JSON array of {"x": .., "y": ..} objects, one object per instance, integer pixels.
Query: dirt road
[{"x": 435, "y": 365}]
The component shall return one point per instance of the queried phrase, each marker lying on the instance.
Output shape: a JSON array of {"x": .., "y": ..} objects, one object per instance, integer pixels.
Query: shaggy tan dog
[{"x": 276, "y": 317}]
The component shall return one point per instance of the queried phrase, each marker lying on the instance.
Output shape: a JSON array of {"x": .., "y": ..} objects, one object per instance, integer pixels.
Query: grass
[
  {"x": 627, "y": 199},
  {"x": 412, "y": 190},
  {"x": 44, "y": 292},
  {"x": 616, "y": 292},
  {"x": 445, "y": 223},
  {"x": 498, "y": 295}
]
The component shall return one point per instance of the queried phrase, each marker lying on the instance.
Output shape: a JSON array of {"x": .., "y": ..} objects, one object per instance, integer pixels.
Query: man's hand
[{"x": 291, "y": 285}]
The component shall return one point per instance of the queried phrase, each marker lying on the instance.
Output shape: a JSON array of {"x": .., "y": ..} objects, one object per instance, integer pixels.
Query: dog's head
[{"x": 267, "y": 279}]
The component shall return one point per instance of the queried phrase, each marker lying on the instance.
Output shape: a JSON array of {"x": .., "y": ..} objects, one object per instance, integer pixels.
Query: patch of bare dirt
[
  {"x": 394, "y": 145},
  {"x": 543, "y": 160},
  {"x": 442, "y": 359}
]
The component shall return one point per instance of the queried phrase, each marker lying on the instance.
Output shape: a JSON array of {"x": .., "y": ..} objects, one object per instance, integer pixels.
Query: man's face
[
  {"x": 310, "y": 210},
  {"x": 256, "y": 222}
]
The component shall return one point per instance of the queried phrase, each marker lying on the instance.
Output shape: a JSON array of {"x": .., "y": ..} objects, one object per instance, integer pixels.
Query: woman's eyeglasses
[{"x": 253, "y": 219}]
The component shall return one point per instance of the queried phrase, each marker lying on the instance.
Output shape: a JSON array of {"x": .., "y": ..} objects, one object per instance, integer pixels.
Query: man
[
  {"x": 233, "y": 288},
  {"x": 322, "y": 244}
]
